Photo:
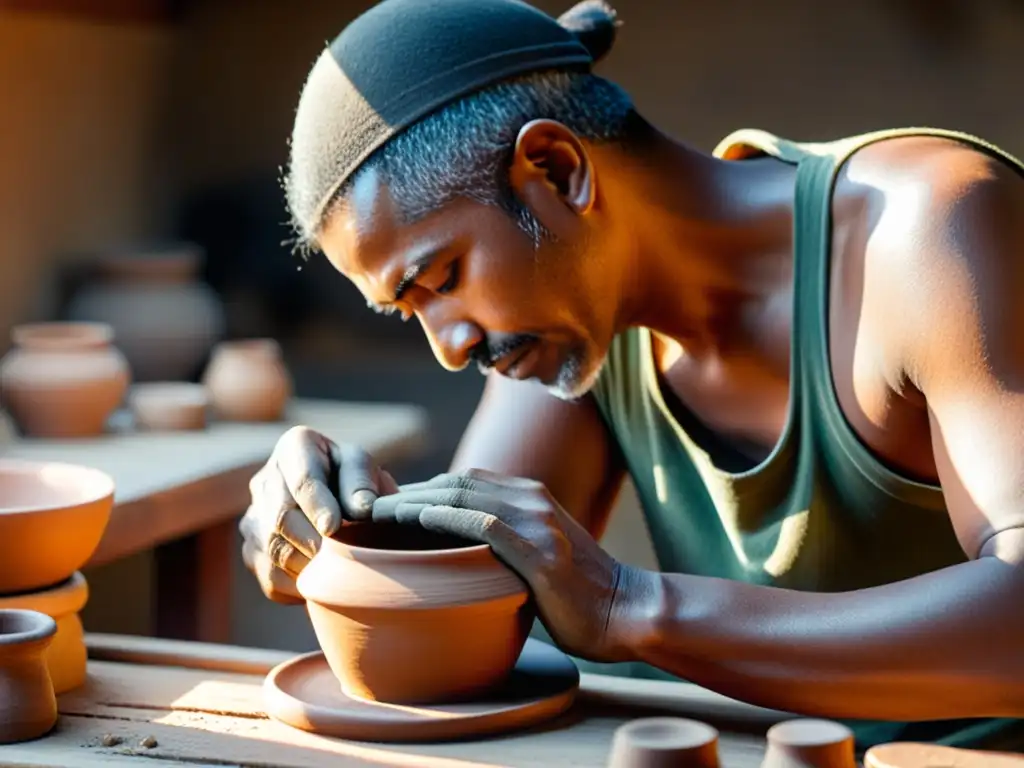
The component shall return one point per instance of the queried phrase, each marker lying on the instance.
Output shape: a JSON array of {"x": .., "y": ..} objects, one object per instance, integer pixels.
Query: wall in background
[{"x": 80, "y": 146}]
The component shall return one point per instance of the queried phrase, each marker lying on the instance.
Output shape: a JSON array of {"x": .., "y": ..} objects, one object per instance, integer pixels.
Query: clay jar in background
[
  {"x": 52, "y": 517},
  {"x": 66, "y": 655},
  {"x": 407, "y": 616},
  {"x": 28, "y": 707},
  {"x": 63, "y": 380},
  {"x": 247, "y": 381},
  {"x": 664, "y": 742},
  {"x": 166, "y": 320},
  {"x": 809, "y": 743}
]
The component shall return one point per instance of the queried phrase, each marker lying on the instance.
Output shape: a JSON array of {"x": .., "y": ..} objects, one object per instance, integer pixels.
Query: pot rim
[
  {"x": 263, "y": 345},
  {"x": 98, "y": 484},
  {"x": 62, "y": 335},
  {"x": 30, "y": 627},
  {"x": 345, "y": 549}
]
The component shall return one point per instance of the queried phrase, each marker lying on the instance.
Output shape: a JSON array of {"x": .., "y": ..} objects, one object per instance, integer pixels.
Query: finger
[
  {"x": 469, "y": 524},
  {"x": 387, "y": 483},
  {"x": 446, "y": 480},
  {"x": 296, "y": 529},
  {"x": 385, "y": 506},
  {"x": 305, "y": 471},
  {"x": 286, "y": 556},
  {"x": 275, "y": 583},
  {"x": 358, "y": 484}
]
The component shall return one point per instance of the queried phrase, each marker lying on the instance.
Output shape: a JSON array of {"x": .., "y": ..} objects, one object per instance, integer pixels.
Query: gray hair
[{"x": 464, "y": 150}]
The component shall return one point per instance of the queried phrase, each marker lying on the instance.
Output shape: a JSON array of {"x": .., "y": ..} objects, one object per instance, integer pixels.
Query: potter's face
[{"x": 480, "y": 289}]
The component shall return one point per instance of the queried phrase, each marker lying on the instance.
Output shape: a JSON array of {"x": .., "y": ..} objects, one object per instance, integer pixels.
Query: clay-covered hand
[
  {"x": 309, "y": 485},
  {"x": 583, "y": 595}
]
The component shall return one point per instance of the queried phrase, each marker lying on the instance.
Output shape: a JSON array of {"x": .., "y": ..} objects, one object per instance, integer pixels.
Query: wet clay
[
  {"x": 408, "y": 616},
  {"x": 304, "y": 693},
  {"x": 66, "y": 655},
  {"x": 909, "y": 755},
  {"x": 809, "y": 743},
  {"x": 28, "y": 707},
  {"x": 664, "y": 742},
  {"x": 52, "y": 517}
]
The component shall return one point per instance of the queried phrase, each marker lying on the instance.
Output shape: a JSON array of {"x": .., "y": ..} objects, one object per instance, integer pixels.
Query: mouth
[{"x": 512, "y": 363}]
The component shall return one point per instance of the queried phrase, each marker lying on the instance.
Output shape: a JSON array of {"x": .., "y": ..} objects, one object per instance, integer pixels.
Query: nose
[{"x": 452, "y": 340}]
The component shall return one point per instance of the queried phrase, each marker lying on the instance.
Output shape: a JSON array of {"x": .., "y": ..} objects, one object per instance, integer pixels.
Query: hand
[
  {"x": 583, "y": 595},
  {"x": 302, "y": 493}
]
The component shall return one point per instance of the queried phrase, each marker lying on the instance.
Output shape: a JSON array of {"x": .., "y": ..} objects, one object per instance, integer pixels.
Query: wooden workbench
[
  {"x": 182, "y": 492},
  {"x": 208, "y": 711}
]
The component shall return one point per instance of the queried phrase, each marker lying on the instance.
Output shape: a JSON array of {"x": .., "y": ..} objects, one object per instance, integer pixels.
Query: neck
[{"x": 710, "y": 241}]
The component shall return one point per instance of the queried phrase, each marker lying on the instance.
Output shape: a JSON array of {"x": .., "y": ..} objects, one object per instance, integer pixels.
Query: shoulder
[{"x": 944, "y": 246}]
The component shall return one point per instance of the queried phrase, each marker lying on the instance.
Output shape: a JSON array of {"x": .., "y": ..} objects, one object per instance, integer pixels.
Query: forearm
[{"x": 944, "y": 645}]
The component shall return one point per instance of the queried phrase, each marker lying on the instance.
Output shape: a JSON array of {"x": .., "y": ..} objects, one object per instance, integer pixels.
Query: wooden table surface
[
  {"x": 173, "y": 484},
  {"x": 202, "y": 705}
]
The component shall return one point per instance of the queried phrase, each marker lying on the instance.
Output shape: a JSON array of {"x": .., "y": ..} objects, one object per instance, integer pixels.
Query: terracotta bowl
[
  {"x": 169, "y": 405},
  {"x": 406, "y": 616},
  {"x": 52, "y": 517}
]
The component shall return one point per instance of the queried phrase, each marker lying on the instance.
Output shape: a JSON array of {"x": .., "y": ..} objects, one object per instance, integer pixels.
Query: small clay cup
[
  {"x": 169, "y": 406},
  {"x": 28, "y": 706},
  {"x": 664, "y": 742},
  {"x": 809, "y": 743},
  {"x": 408, "y": 616}
]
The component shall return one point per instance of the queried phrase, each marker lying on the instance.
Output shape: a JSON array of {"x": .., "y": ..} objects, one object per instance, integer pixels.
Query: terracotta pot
[
  {"x": 63, "y": 379},
  {"x": 28, "y": 707},
  {"x": 66, "y": 655},
  {"x": 661, "y": 742},
  {"x": 169, "y": 406},
  {"x": 429, "y": 619},
  {"x": 809, "y": 743},
  {"x": 248, "y": 381},
  {"x": 52, "y": 517},
  {"x": 166, "y": 320}
]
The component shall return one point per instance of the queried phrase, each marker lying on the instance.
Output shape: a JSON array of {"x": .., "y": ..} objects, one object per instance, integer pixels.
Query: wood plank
[
  {"x": 170, "y": 485},
  {"x": 196, "y": 714}
]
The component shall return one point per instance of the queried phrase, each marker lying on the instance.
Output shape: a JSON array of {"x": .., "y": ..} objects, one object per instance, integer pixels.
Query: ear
[{"x": 551, "y": 166}]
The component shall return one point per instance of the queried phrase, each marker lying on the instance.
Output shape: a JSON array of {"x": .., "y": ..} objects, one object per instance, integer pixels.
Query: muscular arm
[
  {"x": 943, "y": 645},
  {"x": 521, "y": 430}
]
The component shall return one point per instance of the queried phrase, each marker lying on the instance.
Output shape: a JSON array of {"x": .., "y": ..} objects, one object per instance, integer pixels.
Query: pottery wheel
[{"x": 304, "y": 693}]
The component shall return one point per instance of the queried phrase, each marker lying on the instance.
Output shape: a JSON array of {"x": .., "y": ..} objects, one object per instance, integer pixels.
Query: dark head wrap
[{"x": 402, "y": 60}]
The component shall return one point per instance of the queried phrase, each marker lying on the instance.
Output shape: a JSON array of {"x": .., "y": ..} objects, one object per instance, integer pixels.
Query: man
[{"x": 808, "y": 358}]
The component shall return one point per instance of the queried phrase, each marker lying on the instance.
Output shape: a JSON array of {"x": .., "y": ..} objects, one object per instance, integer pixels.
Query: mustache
[{"x": 486, "y": 354}]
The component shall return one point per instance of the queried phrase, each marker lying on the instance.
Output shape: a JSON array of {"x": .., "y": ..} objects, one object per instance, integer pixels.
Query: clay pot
[
  {"x": 28, "y": 707},
  {"x": 169, "y": 406},
  {"x": 664, "y": 742},
  {"x": 66, "y": 655},
  {"x": 247, "y": 380},
  {"x": 407, "y": 616},
  {"x": 809, "y": 743},
  {"x": 52, "y": 517},
  {"x": 63, "y": 379},
  {"x": 166, "y": 320}
]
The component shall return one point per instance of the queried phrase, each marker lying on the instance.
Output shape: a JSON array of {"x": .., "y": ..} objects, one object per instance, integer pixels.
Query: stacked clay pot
[
  {"x": 63, "y": 380},
  {"x": 52, "y": 517},
  {"x": 407, "y": 616}
]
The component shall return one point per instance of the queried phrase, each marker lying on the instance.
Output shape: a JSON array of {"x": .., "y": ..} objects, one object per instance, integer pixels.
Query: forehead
[{"x": 359, "y": 235}]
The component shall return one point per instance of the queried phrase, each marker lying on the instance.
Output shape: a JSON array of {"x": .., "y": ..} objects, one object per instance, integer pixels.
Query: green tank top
[{"x": 821, "y": 513}]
